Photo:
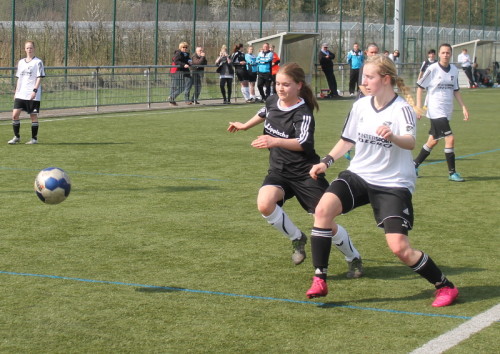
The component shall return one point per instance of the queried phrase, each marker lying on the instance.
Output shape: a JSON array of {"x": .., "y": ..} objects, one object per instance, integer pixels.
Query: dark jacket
[
  {"x": 225, "y": 65},
  {"x": 324, "y": 61},
  {"x": 181, "y": 59},
  {"x": 198, "y": 60}
]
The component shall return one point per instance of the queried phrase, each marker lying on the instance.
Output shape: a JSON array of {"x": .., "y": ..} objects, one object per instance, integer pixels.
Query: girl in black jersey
[
  {"x": 289, "y": 136},
  {"x": 382, "y": 127},
  {"x": 240, "y": 66}
]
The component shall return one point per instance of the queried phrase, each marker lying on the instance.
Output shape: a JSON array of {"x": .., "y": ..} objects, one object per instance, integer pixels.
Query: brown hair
[
  {"x": 297, "y": 74},
  {"x": 387, "y": 67},
  {"x": 237, "y": 47}
]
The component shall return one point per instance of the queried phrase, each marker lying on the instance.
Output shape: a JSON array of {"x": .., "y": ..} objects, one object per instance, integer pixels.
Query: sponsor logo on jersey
[
  {"x": 274, "y": 132},
  {"x": 374, "y": 140}
]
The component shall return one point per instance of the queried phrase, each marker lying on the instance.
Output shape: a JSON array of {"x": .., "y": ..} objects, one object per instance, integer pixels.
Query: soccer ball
[{"x": 52, "y": 185}]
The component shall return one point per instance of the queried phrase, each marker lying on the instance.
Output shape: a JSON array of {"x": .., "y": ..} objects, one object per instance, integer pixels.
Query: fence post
[{"x": 96, "y": 74}]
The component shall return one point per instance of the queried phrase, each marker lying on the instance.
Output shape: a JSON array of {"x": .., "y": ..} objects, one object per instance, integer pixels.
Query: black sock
[
  {"x": 450, "y": 160},
  {"x": 424, "y": 152},
  {"x": 16, "y": 125},
  {"x": 34, "y": 130},
  {"x": 426, "y": 268},
  {"x": 321, "y": 245}
]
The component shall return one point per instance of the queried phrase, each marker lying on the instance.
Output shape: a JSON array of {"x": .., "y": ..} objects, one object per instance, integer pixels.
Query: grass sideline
[{"x": 163, "y": 202}]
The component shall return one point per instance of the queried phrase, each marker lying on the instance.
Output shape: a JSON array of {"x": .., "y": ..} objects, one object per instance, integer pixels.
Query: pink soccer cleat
[
  {"x": 445, "y": 296},
  {"x": 318, "y": 288}
]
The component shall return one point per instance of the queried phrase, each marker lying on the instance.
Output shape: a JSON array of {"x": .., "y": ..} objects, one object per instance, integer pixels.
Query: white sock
[
  {"x": 282, "y": 223},
  {"x": 342, "y": 241},
  {"x": 246, "y": 92}
]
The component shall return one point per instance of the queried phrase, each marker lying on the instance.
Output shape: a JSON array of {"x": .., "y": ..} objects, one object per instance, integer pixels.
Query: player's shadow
[
  {"x": 400, "y": 272},
  {"x": 159, "y": 289},
  {"x": 467, "y": 294}
]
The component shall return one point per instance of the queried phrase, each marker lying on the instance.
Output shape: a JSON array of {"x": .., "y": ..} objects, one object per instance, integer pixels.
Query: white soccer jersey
[
  {"x": 379, "y": 161},
  {"x": 440, "y": 83},
  {"x": 27, "y": 73}
]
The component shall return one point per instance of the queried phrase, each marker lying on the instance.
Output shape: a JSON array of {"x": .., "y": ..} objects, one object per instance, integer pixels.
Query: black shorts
[
  {"x": 29, "y": 106},
  {"x": 440, "y": 128},
  {"x": 386, "y": 202},
  {"x": 307, "y": 191},
  {"x": 252, "y": 76},
  {"x": 242, "y": 74}
]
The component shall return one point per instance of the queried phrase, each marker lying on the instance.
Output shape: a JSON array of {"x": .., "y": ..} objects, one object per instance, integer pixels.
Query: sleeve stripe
[
  {"x": 304, "y": 129},
  {"x": 409, "y": 116}
]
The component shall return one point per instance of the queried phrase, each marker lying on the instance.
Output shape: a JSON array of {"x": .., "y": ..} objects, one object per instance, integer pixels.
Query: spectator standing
[
  {"x": 275, "y": 66},
  {"x": 28, "y": 95},
  {"x": 226, "y": 72},
  {"x": 431, "y": 59},
  {"x": 181, "y": 79},
  {"x": 465, "y": 62},
  {"x": 355, "y": 59},
  {"x": 199, "y": 60},
  {"x": 251, "y": 61},
  {"x": 240, "y": 66},
  {"x": 326, "y": 62},
  {"x": 264, "y": 62},
  {"x": 394, "y": 56}
]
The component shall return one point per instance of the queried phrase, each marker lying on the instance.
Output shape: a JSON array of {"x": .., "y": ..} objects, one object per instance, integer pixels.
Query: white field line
[{"x": 465, "y": 330}]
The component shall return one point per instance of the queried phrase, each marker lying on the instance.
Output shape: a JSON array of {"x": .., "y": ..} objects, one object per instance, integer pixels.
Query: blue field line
[
  {"x": 121, "y": 175},
  {"x": 168, "y": 288},
  {"x": 460, "y": 157}
]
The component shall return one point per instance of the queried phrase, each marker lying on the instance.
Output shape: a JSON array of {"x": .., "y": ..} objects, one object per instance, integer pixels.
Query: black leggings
[{"x": 229, "y": 83}]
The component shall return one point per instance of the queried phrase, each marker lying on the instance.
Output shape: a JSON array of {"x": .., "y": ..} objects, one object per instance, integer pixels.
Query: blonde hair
[
  {"x": 385, "y": 67},
  {"x": 297, "y": 74},
  {"x": 183, "y": 44}
]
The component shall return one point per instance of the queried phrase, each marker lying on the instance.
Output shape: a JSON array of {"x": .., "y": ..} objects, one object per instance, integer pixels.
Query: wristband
[
  {"x": 327, "y": 160},
  {"x": 35, "y": 90}
]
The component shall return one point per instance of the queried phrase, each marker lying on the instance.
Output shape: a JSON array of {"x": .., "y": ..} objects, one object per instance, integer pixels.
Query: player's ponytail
[
  {"x": 296, "y": 73},
  {"x": 405, "y": 91}
]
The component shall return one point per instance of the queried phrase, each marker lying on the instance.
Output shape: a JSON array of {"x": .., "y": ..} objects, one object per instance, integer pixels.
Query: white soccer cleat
[
  {"x": 14, "y": 140},
  {"x": 32, "y": 142}
]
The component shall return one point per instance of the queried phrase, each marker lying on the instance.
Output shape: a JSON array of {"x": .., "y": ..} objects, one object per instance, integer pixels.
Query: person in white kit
[
  {"x": 382, "y": 128},
  {"x": 28, "y": 94},
  {"x": 464, "y": 59},
  {"x": 441, "y": 82}
]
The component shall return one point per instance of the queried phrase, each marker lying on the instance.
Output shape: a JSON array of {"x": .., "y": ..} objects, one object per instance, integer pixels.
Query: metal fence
[
  {"x": 74, "y": 87},
  {"x": 119, "y": 32}
]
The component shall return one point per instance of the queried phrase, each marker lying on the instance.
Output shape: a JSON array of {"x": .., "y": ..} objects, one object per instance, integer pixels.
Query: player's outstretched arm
[{"x": 252, "y": 122}]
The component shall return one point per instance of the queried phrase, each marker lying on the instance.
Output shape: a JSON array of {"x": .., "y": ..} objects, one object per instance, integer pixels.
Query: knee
[
  {"x": 265, "y": 207},
  {"x": 402, "y": 251}
]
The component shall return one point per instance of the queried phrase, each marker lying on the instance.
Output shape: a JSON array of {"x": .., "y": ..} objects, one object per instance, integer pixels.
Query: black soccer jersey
[{"x": 296, "y": 122}]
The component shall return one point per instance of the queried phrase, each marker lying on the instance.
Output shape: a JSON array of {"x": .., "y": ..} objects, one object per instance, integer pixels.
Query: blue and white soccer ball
[{"x": 52, "y": 185}]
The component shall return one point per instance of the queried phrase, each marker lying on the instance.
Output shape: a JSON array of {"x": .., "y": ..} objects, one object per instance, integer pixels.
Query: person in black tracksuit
[
  {"x": 289, "y": 135},
  {"x": 326, "y": 62},
  {"x": 240, "y": 66}
]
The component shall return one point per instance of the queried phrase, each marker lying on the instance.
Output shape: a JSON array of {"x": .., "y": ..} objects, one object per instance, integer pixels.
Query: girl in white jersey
[
  {"x": 289, "y": 135},
  {"x": 28, "y": 94},
  {"x": 441, "y": 82},
  {"x": 382, "y": 128}
]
